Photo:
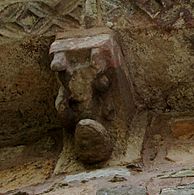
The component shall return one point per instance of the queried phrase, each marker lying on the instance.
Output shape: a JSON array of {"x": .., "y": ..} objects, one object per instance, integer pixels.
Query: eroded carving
[
  {"x": 22, "y": 18},
  {"x": 169, "y": 14},
  {"x": 88, "y": 64}
]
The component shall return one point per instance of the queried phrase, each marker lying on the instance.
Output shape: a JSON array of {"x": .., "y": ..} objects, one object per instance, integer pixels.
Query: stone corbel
[{"x": 105, "y": 53}]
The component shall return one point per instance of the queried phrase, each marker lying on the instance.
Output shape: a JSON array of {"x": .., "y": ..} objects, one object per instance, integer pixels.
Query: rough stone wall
[
  {"x": 21, "y": 18},
  {"x": 161, "y": 64},
  {"x": 27, "y": 91},
  {"x": 156, "y": 38},
  {"x": 28, "y": 87},
  {"x": 157, "y": 41}
]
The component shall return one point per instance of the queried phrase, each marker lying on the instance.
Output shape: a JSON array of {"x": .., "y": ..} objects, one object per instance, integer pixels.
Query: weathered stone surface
[
  {"x": 179, "y": 174},
  {"x": 21, "y": 193},
  {"x": 132, "y": 146},
  {"x": 182, "y": 127},
  {"x": 172, "y": 91},
  {"x": 158, "y": 63},
  {"x": 59, "y": 62},
  {"x": 102, "y": 83},
  {"x": 28, "y": 164},
  {"x": 143, "y": 38},
  {"x": 179, "y": 190},
  {"x": 91, "y": 17},
  {"x": 10, "y": 155},
  {"x": 105, "y": 51},
  {"x": 23, "y": 18},
  {"x": 90, "y": 87},
  {"x": 160, "y": 81},
  {"x": 77, "y": 33},
  {"x": 27, "y": 91},
  {"x": 122, "y": 190},
  {"x": 80, "y": 43},
  {"x": 25, "y": 175},
  {"x": 97, "y": 174},
  {"x": 181, "y": 153},
  {"x": 92, "y": 142},
  {"x": 169, "y": 14}
]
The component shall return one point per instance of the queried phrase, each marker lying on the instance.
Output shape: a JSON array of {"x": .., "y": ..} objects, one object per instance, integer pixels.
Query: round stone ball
[{"x": 92, "y": 142}]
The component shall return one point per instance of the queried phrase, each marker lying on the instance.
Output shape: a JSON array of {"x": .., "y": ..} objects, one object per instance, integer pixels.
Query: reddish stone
[
  {"x": 79, "y": 43},
  {"x": 183, "y": 127},
  {"x": 59, "y": 62},
  {"x": 105, "y": 51}
]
